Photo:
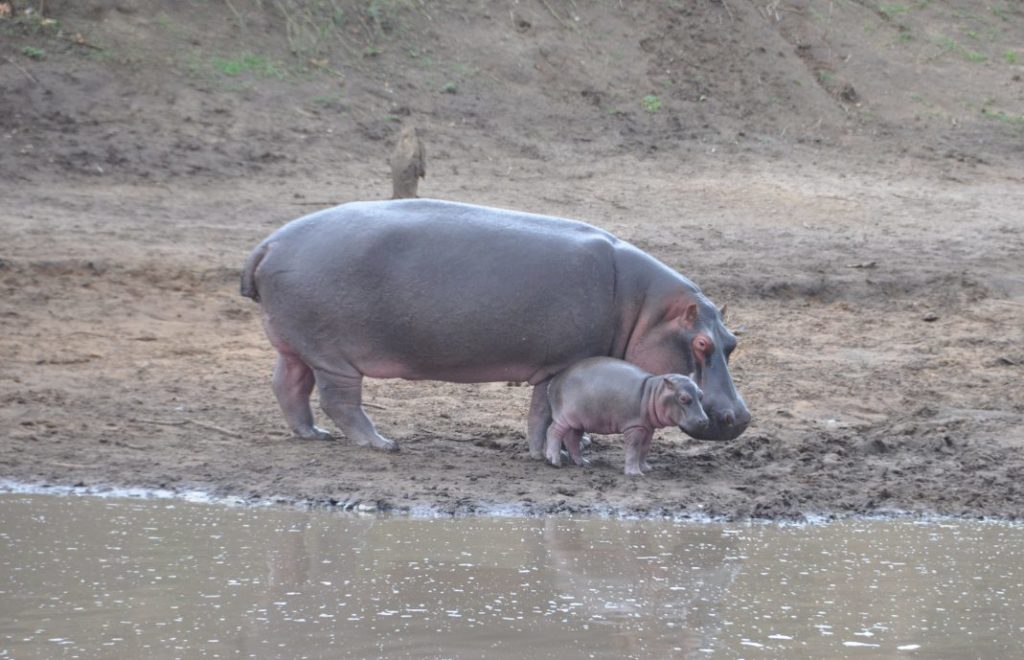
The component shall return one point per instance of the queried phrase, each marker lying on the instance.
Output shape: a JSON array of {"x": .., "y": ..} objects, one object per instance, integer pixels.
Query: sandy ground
[{"x": 875, "y": 277}]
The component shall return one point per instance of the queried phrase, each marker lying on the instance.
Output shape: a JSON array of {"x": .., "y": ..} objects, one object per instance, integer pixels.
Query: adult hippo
[{"x": 426, "y": 289}]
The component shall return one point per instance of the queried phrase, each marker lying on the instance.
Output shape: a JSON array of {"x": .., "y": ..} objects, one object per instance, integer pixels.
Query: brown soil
[{"x": 846, "y": 176}]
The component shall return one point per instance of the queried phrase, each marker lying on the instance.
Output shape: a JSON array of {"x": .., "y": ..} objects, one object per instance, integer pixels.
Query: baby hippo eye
[
  {"x": 702, "y": 344},
  {"x": 685, "y": 399}
]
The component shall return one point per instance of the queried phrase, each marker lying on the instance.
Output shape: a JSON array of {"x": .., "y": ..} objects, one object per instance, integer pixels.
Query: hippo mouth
[{"x": 716, "y": 430}]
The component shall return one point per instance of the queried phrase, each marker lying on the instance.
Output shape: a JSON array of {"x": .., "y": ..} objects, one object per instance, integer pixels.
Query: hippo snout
[
  {"x": 724, "y": 424},
  {"x": 694, "y": 426}
]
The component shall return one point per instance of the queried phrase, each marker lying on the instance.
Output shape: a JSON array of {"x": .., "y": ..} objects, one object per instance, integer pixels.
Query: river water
[{"x": 93, "y": 577}]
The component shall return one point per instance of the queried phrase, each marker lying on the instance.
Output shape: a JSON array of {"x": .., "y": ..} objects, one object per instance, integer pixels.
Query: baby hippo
[{"x": 604, "y": 395}]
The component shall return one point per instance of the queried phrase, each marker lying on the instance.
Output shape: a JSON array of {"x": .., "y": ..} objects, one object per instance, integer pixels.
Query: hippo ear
[
  {"x": 722, "y": 310},
  {"x": 687, "y": 318}
]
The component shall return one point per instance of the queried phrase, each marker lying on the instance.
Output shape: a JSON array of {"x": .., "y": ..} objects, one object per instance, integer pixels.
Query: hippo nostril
[
  {"x": 728, "y": 418},
  {"x": 703, "y": 423}
]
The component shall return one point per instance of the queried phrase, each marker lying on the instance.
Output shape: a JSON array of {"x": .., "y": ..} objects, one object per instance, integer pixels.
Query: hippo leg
[
  {"x": 341, "y": 396},
  {"x": 635, "y": 438},
  {"x": 644, "y": 450},
  {"x": 558, "y": 432},
  {"x": 293, "y": 383},
  {"x": 538, "y": 420},
  {"x": 572, "y": 442}
]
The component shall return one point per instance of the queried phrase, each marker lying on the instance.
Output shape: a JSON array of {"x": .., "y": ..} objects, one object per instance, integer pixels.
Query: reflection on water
[{"x": 95, "y": 578}]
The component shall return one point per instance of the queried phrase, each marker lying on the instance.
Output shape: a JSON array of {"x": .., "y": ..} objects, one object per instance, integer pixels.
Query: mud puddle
[{"x": 113, "y": 578}]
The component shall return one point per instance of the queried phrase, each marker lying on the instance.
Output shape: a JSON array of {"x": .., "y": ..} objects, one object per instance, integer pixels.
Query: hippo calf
[
  {"x": 604, "y": 395},
  {"x": 426, "y": 289}
]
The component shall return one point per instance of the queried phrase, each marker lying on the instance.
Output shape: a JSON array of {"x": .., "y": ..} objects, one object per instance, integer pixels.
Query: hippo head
[
  {"x": 685, "y": 334},
  {"x": 682, "y": 402}
]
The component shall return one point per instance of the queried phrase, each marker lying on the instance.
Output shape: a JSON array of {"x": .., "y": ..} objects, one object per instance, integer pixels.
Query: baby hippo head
[{"x": 681, "y": 404}]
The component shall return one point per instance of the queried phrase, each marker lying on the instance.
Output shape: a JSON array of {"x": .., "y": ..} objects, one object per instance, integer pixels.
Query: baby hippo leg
[
  {"x": 560, "y": 434},
  {"x": 573, "y": 441},
  {"x": 644, "y": 450},
  {"x": 557, "y": 431},
  {"x": 636, "y": 438}
]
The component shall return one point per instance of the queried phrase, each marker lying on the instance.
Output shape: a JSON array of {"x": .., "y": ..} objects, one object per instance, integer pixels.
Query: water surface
[{"x": 105, "y": 578}]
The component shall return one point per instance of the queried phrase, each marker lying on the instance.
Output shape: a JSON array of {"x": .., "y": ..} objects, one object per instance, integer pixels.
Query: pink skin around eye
[{"x": 702, "y": 346}]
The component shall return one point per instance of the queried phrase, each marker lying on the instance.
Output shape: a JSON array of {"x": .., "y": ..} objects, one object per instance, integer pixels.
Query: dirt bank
[{"x": 869, "y": 244}]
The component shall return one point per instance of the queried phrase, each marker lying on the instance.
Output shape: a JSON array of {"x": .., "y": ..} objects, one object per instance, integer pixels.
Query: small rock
[{"x": 367, "y": 507}]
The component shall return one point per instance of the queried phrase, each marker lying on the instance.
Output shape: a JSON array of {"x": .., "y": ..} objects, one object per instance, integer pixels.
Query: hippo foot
[
  {"x": 315, "y": 433},
  {"x": 645, "y": 467},
  {"x": 585, "y": 441},
  {"x": 555, "y": 459},
  {"x": 577, "y": 460},
  {"x": 634, "y": 472},
  {"x": 379, "y": 442},
  {"x": 537, "y": 455}
]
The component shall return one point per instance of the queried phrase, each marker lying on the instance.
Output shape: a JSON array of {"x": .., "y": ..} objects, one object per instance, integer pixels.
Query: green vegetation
[
  {"x": 1005, "y": 117},
  {"x": 450, "y": 88},
  {"x": 1010, "y": 56},
  {"x": 892, "y": 11},
  {"x": 948, "y": 45},
  {"x": 34, "y": 53},
  {"x": 247, "y": 63},
  {"x": 383, "y": 14},
  {"x": 465, "y": 70},
  {"x": 651, "y": 103},
  {"x": 314, "y": 27},
  {"x": 32, "y": 23},
  {"x": 1003, "y": 13},
  {"x": 328, "y": 100}
]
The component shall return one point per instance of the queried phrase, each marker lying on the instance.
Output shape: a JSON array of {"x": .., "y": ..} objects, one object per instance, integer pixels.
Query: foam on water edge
[{"x": 480, "y": 509}]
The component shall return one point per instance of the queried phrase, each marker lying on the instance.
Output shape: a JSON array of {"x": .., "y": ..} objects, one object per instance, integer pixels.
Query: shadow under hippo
[{"x": 434, "y": 290}]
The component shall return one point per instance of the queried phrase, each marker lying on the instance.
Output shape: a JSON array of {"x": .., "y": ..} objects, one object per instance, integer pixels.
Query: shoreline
[{"x": 478, "y": 510}]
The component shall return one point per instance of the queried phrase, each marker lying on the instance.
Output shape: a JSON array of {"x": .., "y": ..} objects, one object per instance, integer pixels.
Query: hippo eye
[
  {"x": 685, "y": 399},
  {"x": 702, "y": 344}
]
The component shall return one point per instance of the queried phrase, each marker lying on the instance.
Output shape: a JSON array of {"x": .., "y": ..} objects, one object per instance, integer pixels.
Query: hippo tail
[{"x": 249, "y": 271}]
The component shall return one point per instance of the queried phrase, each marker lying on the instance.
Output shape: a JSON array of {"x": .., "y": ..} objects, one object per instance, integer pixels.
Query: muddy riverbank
[{"x": 870, "y": 250}]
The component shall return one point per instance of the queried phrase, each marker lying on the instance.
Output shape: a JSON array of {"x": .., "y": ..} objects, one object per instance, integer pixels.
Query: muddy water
[{"x": 103, "y": 578}]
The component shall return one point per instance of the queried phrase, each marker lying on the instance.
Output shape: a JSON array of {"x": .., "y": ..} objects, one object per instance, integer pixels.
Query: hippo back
[{"x": 438, "y": 290}]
